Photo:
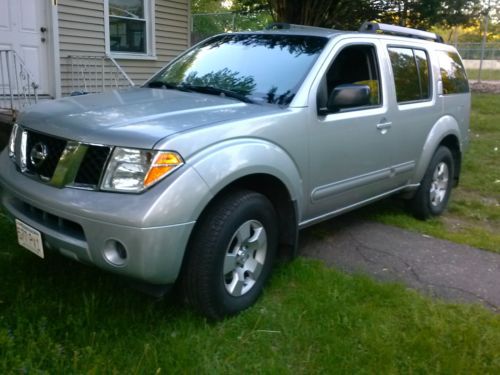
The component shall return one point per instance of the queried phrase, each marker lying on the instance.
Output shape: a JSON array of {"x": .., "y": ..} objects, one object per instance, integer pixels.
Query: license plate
[{"x": 29, "y": 238}]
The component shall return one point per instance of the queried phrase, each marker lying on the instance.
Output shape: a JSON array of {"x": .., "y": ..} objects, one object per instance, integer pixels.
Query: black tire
[
  {"x": 214, "y": 243},
  {"x": 429, "y": 201}
]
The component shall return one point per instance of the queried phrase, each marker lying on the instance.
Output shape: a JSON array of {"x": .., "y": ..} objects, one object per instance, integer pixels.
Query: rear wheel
[
  {"x": 434, "y": 192},
  {"x": 231, "y": 254}
]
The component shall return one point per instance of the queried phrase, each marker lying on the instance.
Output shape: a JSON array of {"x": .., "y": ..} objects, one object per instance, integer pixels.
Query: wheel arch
[
  {"x": 280, "y": 197},
  {"x": 445, "y": 132}
]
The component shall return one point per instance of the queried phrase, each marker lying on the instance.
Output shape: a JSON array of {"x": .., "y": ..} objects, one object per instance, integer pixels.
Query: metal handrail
[
  {"x": 92, "y": 74},
  {"x": 18, "y": 88}
]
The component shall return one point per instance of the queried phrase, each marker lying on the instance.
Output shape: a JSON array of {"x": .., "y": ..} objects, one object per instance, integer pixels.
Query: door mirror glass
[{"x": 348, "y": 96}]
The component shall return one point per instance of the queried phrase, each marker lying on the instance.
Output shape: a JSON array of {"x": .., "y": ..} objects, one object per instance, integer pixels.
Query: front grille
[
  {"x": 92, "y": 166},
  {"x": 44, "y": 152},
  {"x": 54, "y": 148}
]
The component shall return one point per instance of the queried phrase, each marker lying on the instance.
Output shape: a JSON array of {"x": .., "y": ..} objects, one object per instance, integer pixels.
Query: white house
[{"x": 62, "y": 46}]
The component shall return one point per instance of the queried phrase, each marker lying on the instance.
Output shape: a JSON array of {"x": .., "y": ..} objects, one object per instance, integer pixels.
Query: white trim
[
  {"x": 149, "y": 12},
  {"x": 55, "y": 53}
]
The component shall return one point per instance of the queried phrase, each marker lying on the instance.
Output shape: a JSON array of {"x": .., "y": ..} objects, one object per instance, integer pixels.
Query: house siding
[{"x": 82, "y": 32}]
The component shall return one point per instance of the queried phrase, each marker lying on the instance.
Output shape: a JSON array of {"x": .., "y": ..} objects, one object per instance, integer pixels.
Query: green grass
[
  {"x": 473, "y": 216},
  {"x": 486, "y": 74},
  {"x": 60, "y": 317}
]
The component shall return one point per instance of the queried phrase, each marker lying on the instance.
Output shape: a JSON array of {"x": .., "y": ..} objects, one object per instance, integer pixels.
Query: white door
[{"x": 23, "y": 28}]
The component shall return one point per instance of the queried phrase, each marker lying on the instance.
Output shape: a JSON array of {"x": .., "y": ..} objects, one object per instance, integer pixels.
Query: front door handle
[{"x": 384, "y": 127}]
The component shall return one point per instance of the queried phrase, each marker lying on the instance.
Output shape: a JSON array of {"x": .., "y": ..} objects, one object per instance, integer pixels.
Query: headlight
[
  {"x": 132, "y": 170},
  {"x": 12, "y": 141}
]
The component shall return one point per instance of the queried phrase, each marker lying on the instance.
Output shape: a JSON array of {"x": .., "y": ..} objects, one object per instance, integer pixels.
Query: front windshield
[{"x": 262, "y": 68}]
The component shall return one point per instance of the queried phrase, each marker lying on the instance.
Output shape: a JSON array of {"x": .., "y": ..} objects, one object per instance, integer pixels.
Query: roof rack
[{"x": 373, "y": 27}]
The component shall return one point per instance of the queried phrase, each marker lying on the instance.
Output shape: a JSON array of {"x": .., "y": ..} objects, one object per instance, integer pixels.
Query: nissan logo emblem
[{"x": 38, "y": 154}]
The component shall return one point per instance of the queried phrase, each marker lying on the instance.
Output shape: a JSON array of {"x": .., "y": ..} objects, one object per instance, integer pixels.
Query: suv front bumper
[{"x": 140, "y": 236}]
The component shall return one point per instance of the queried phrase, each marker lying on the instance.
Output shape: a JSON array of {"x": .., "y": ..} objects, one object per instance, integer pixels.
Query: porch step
[
  {"x": 5, "y": 128},
  {"x": 7, "y": 116}
]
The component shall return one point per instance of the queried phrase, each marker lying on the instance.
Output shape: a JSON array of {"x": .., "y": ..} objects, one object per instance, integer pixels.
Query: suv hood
[{"x": 136, "y": 117}]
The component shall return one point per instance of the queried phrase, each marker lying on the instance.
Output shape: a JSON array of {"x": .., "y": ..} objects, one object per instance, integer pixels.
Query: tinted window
[
  {"x": 423, "y": 72},
  {"x": 452, "y": 73},
  {"x": 264, "y": 68},
  {"x": 411, "y": 74},
  {"x": 356, "y": 65}
]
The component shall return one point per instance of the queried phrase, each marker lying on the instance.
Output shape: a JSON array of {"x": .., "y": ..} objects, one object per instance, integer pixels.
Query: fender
[
  {"x": 223, "y": 163},
  {"x": 446, "y": 125}
]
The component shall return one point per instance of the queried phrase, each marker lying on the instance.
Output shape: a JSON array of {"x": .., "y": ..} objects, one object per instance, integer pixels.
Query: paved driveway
[{"x": 436, "y": 267}]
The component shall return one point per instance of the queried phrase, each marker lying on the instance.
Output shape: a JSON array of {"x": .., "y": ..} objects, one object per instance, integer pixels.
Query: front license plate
[{"x": 29, "y": 238}]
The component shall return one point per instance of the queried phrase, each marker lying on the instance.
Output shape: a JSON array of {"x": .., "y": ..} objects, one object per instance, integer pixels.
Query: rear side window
[
  {"x": 410, "y": 68},
  {"x": 452, "y": 73}
]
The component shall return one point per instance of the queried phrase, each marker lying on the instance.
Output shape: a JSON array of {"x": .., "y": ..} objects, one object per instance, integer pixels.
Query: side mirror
[{"x": 348, "y": 96}]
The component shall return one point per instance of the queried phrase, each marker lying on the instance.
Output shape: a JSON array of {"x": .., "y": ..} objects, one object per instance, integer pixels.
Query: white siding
[{"x": 81, "y": 32}]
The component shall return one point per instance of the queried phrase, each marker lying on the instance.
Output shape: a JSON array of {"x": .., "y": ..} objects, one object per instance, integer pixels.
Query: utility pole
[{"x": 485, "y": 35}]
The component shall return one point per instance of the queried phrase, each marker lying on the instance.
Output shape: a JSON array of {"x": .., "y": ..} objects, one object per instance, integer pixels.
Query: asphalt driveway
[{"x": 438, "y": 268}]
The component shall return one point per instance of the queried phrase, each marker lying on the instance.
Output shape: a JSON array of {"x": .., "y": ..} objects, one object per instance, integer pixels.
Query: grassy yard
[
  {"x": 60, "y": 317},
  {"x": 473, "y": 216},
  {"x": 486, "y": 74}
]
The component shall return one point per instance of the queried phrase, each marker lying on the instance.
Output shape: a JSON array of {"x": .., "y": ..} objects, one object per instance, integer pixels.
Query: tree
[
  {"x": 324, "y": 13},
  {"x": 344, "y": 14}
]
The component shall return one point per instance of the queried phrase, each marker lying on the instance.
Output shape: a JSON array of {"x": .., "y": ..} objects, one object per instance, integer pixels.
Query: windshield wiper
[
  {"x": 166, "y": 85},
  {"x": 211, "y": 90}
]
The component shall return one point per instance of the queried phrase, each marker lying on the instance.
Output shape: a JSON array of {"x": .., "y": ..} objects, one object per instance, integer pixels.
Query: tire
[
  {"x": 230, "y": 255},
  {"x": 434, "y": 192}
]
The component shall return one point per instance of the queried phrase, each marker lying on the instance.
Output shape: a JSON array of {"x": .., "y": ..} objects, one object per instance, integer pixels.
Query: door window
[
  {"x": 358, "y": 65},
  {"x": 410, "y": 68}
]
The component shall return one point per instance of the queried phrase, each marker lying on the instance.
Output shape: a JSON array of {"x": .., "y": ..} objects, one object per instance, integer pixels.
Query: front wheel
[
  {"x": 434, "y": 192},
  {"x": 231, "y": 254}
]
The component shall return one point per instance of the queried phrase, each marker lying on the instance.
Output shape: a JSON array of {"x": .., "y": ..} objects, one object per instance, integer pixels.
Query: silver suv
[{"x": 205, "y": 174}]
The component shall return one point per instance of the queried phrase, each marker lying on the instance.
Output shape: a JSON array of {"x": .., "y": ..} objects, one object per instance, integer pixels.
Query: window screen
[{"x": 127, "y": 26}]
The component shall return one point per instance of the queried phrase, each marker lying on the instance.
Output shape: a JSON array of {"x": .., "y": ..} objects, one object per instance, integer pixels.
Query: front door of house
[{"x": 24, "y": 29}]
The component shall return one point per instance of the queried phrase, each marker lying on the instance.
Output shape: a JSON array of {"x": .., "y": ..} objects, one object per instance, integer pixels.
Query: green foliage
[{"x": 341, "y": 14}]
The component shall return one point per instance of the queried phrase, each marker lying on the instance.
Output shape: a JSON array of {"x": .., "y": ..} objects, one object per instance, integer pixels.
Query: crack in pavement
[{"x": 437, "y": 267}]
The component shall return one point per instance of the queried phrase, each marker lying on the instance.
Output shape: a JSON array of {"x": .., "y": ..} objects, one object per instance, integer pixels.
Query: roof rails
[
  {"x": 373, "y": 27},
  {"x": 292, "y": 26}
]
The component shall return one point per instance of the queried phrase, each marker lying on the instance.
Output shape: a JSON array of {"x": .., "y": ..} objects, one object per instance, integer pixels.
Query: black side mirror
[{"x": 348, "y": 96}]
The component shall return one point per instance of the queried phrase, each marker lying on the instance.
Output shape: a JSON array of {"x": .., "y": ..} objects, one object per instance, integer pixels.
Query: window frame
[
  {"x": 430, "y": 77},
  {"x": 149, "y": 17}
]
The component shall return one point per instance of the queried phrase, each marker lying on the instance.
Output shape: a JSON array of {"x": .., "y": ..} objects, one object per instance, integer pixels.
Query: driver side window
[{"x": 355, "y": 65}]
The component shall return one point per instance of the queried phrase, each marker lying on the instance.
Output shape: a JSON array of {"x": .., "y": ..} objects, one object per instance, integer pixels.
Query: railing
[
  {"x": 92, "y": 74},
  {"x": 18, "y": 89}
]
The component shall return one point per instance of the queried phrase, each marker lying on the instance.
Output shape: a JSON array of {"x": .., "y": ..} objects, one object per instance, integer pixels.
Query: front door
[
  {"x": 23, "y": 28},
  {"x": 352, "y": 148}
]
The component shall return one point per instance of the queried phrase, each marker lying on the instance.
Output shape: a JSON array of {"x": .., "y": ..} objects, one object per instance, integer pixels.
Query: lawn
[
  {"x": 473, "y": 216},
  {"x": 486, "y": 74},
  {"x": 59, "y": 317}
]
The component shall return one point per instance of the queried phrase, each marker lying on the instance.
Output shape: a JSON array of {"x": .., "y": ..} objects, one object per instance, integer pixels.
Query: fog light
[{"x": 115, "y": 253}]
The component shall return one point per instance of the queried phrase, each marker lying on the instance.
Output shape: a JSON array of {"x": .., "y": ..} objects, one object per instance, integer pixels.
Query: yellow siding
[{"x": 81, "y": 32}]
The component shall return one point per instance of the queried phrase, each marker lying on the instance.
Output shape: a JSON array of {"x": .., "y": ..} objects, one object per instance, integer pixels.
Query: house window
[{"x": 130, "y": 27}]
